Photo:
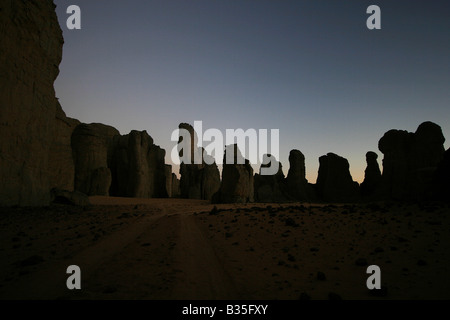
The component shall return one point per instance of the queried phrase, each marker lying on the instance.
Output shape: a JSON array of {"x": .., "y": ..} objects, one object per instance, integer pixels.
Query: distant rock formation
[
  {"x": 334, "y": 182},
  {"x": 372, "y": 176},
  {"x": 237, "y": 178},
  {"x": 270, "y": 188},
  {"x": 175, "y": 186},
  {"x": 296, "y": 184},
  {"x": 410, "y": 160},
  {"x": 441, "y": 179},
  {"x": 138, "y": 167},
  {"x": 92, "y": 148},
  {"x": 201, "y": 180},
  {"x": 30, "y": 53}
]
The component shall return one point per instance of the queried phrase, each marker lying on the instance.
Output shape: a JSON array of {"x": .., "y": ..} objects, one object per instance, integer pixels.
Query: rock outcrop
[
  {"x": 270, "y": 188},
  {"x": 138, "y": 168},
  {"x": 296, "y": 184},
  {"x": 410, "y": 160},
  {"x": 30, "y": 53},
  {"x": 61, "y": 168},
  {"x": 334, "y": 182},
  {"x": 75, "y": 198},
  {"x": 237, "y": 179},
  {"x": 197, "y": 180},
  {"x": 43, "y": 149},
  {"x": 92, "y": 148},
  {"x": 372, "y": 176},
  {"x": 441, "y": 179},
  {"x": 175, "y": 186}
]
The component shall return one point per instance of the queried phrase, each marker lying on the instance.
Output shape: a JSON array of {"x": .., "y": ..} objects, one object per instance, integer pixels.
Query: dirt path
[
  {"x": 162, "y": 255},
  {"x": 203, "y": 275},
  {"x": 49, "y": 281}
]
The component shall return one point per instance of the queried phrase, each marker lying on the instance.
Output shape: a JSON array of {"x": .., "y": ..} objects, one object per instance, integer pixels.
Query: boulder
[
  {"x": 75, "y": 198},
  {"x": 30, "y": 54},
  {"x": 334, "y": 182},
  {"x": 410, "y": 160},
  {"x": 372, "y": 176},
  {"x": 237, "y": 178},
  {"x": 92, "y": 148}
]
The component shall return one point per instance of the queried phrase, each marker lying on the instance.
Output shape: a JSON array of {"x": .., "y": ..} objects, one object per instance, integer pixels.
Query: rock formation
[
  {"x": 296, "y": 184},
  {"x": 237, "y": 179},
  {"x": 43, "y": 149},
  {"x": 75, "y": 198},
  {"x": 61, "y": 168},
  {"x": 138, "y": 167},
  {"x": 441, "y": 179},
  {"x": 30, "y": 53},
  {"x": 197, "y": 180},
  {"x": 270, "y": 188},
  {"x": 372, "y": 176},
  {"x": 334, "y": 182},
  {"x": 92, "y": 148},
  {"x": 410, "y": 160},
  {"x": 175, "y": 186}
]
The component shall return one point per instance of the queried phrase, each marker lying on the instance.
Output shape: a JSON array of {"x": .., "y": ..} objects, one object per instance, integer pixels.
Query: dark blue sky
[{"x": 308, "y": 68}]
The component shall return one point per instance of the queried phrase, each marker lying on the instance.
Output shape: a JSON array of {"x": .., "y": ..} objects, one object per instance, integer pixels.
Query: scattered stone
[
  {"x": 422, "y": 263},
  {"x": 382, "y": 292},
  {"x": 334, "y": 296},
  {"x": 321, "y": 276},
  {"x": 31, "y": 261},
  {"x": 304, "y": 296},
  {"x": 362, "y": 262}
]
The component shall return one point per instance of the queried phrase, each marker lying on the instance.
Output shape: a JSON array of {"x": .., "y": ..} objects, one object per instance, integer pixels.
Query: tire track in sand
[
  {"x": 203, "y": 275},
  {"x": 49, "y": 281}
]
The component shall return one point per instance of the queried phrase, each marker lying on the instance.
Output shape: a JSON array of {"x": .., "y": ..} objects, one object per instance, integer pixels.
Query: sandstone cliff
[{"x": 30, "y": 53}]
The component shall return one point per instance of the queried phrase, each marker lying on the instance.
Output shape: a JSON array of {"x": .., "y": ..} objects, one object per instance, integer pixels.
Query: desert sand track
[{"x": 176, "y": 249}]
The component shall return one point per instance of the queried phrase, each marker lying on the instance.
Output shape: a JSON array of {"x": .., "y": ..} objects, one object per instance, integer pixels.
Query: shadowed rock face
[
  {"x": 138, "y": 168},
  {"x": 92, "y": 147},
  {"x": 197, "y": 181},
  {"x": 175, "y": 186},
  {"x": 61, "y": 168},
  {"x": 30, "y": 53},
  {"x": 334, "y": 182},
  {"x": 270, "y": 188},
  {"x": 296, "y": 183},
  {"x": 410, "y": 160},
  {"x": 372, "y": 176},
  {"x": 441, "y": 179},
  {"x": 237, "y": 179},
  {"x": 42, "y": 149}
]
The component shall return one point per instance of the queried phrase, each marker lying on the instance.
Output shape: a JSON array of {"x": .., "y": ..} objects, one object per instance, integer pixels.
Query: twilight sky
[{"x": 311, "y": 69}]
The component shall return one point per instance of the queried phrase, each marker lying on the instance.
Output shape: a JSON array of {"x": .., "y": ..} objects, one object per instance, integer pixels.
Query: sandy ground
[{"x": 186, "y": 249}]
